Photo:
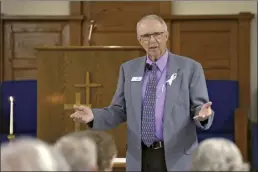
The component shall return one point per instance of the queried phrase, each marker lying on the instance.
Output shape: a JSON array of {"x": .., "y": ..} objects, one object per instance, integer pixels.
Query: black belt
[{"x": 155, "y": 145}]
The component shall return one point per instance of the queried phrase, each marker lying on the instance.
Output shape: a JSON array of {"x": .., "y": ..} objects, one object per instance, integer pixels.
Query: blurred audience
[
  {"x": 218, "y": 154},
  {"x": 106, "y": 147},
  {"x": 96, "y": 151},
  {"x": 28, "y": 154},
  {"x": 79, "y": 152}
]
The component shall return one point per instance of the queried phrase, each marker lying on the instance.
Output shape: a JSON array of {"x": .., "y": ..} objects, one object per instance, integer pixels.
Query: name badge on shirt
[{"x": 136, "y": 79}]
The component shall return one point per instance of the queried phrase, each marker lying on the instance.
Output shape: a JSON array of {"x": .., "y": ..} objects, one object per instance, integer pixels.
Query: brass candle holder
[{"x": 11, "y": 137}]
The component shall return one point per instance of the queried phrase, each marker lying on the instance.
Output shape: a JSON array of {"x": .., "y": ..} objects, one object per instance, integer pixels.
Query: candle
[{"x": 11, "y": 115}]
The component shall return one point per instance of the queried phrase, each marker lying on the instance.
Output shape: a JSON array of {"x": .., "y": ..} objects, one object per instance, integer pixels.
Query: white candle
[{"x": 11, "y": 115}]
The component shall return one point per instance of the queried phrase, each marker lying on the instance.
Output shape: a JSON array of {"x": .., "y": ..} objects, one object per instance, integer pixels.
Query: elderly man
[
  {"x": 162, "y": 97},
  {"x": 80, "y": 153},
  {"x": 27, "y": 154},
  {"x": 106, "y": 148},
  {"x": 218, "y": 154}
]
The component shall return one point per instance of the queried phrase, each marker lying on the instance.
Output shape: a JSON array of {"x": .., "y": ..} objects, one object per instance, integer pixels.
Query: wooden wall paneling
[
  {"x": 109, "y": 18},
  {"x": 233, "y": 58},
  {"x": 244, "y": 36},
  {"x": 76, "y": 36},
  {"x": 1, "y": 49},
  {"x": 115, "y": 23},
  {"x": 75, "y": 32},
  {"x": 7, "y": 70},
  {"x": 23, "y": 33},
  {"x": 221, "y": 43},
  {"x": 1, "y": 46},
  {"x": 1, "y": 43},
  {"x": 168, "y": 23},
  {"x": 193, "y": 39},
  {"x": 175, "y": 37}
]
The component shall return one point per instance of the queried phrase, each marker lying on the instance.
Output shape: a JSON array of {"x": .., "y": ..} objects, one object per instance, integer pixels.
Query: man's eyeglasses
[{"x": 156, "y": 35}]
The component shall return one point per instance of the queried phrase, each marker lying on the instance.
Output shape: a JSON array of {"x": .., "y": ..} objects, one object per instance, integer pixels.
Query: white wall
[
  {"x": 26, "y": 7},
  {"x": 33, "y": 7}
]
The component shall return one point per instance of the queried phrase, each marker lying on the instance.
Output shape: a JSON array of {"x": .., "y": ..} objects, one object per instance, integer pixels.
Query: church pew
[
  {"x": 225, "y": 101},
  {"x": 25, "y": 108},
  {"x": 230, "y": 121},
  {"x": 223, "y": 94}
]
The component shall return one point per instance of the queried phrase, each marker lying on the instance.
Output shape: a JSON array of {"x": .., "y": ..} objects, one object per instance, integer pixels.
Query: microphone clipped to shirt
[{"x": 148, "y": 67}]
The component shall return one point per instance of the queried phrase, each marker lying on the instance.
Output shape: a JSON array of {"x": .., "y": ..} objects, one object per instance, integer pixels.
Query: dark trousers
[{"x": 153, "y": 160}]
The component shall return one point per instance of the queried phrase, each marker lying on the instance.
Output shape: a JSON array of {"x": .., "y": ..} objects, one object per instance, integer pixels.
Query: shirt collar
[{"x": 161, "y": 62}]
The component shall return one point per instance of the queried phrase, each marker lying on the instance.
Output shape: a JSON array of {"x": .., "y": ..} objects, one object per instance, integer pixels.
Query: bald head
[{"x": 27, "y": 154}]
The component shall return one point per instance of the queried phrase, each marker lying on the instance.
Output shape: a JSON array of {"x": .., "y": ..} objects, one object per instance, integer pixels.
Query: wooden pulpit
[{"x": 78, "y": 75}]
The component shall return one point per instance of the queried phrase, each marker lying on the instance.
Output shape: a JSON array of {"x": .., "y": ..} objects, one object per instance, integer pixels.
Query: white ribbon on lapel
[{"x": 171, "y": 79}]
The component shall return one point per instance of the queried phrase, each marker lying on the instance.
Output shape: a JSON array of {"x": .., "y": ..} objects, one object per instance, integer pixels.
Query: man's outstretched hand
[
  {"x": 82, "y": 114},
  {"x": 205, "y": 112}
]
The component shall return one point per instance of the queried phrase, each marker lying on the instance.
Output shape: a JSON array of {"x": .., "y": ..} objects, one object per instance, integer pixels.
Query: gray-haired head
[
  {"x": 218, "y": 154},
  {"x": 28, "y": 154},
  {"x": 106, "y": 147},
  {"x": 152, "y": 34},
  {"x": 152, "y": 17},
  {"x": 80, "y": 153}
]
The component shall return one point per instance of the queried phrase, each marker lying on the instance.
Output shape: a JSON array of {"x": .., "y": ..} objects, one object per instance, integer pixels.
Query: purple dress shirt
[{"x": 160, "y": 92}]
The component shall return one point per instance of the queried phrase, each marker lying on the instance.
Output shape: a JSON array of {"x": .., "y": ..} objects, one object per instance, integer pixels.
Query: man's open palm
[
  {"x": 205, "y": 112},
  {"x": 82, "y": 114}
]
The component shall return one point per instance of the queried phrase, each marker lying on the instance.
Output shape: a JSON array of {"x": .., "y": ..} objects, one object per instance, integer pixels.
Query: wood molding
[
  {"x": 62, "y": 48},
  {"x": 1, "y": 48},
  {"x": 41, "y": 18},
  {"x": 242, "y": 15},
  {"x": 244, "y": 44},
  {"x": 76, "y": 8},
  {"x": 76, "y": 26},
  {"x": 241, "y": 129}
]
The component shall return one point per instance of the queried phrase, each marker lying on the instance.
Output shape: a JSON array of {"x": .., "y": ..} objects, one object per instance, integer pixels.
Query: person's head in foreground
[
  {"x": 28, "y": 154},
  {"x": 152, "y": 34},
  {"x": 218, "y": 154},
  {"x": 106, "y": 147},
  {"x": 80, "y": 152}
]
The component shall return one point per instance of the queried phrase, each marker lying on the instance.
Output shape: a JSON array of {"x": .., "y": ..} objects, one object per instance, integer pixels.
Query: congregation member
[
  {"x": 218, "y": 154},
  {"x": 106, "y": 147},
  {"x": 79, "y": 152},
  {"x": 29, "y": 154}
]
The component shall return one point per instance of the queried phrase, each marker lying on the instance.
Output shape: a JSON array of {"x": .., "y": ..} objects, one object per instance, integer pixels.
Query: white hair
[
  {"x": 27, "y": 154},
  {"x": 152, "y": 17},
  {"x": 80, "y": 153},
  {"x": 218, "y": 154}
]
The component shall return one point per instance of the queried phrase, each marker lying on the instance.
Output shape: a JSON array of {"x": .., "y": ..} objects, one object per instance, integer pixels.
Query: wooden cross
[
  {"x": 87, "y": 87},
  {"x": 70, "y": 106}
]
